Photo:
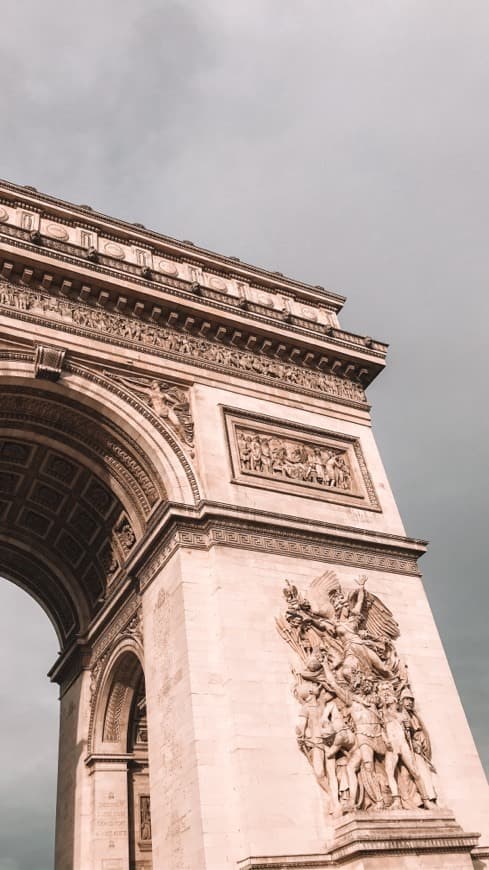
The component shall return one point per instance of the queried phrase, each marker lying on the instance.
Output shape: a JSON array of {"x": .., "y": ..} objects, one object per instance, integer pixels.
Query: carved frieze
[
  {"x": 358, "y": 725},
  {"x": 167, "y": 340},
  {"x": 300, "y": 461}
]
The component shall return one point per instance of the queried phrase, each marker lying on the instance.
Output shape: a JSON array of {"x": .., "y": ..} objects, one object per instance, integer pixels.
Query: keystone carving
[
  {"x": 358, "y": 725},
  {"x": 48, "y": 362}
]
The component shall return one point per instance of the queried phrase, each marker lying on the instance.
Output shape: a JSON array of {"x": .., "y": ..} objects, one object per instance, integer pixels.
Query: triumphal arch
[{"x": 250, "y": 675}]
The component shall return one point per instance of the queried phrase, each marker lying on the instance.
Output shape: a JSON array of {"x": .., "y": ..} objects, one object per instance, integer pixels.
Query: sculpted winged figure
[{"x": 357, "y": 725}]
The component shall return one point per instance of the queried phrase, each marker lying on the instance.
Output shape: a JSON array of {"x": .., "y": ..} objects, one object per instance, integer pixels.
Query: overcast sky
[{"x": 345, "y": 143}]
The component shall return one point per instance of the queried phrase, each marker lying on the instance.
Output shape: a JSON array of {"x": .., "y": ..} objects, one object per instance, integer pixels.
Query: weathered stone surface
[{"x": 181, "y": 437}]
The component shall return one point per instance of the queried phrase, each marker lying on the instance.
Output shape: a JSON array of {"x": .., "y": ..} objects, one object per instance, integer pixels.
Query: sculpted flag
[{"x": 357, "y": 725}]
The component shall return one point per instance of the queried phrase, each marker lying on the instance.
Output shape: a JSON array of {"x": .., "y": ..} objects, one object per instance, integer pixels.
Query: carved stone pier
[{"x": 190, "y": 486}]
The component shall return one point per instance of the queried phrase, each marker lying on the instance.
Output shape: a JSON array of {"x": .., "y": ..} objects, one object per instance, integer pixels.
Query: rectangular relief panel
[{"x": 299, "y": 460}]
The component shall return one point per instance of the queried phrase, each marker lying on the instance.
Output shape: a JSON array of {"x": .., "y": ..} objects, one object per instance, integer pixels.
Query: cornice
[
  {"x": 84, "y": 239},
  {"x": 369, "y": 835},
  {"x": 213, "y": 524},
  {"x": 65, "y": 269},
  {"x": 70, "y": 213}
]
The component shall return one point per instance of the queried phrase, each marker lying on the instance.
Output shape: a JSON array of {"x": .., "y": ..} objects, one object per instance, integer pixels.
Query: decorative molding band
[
  {"x": 182, "y": 279},
  {"x": 258, "y": 313},
  {"x": 300, "y": 460},
  {"x": 24, "y": 209},
  {"x": 249, "y": 536},
  {"x": 111, "y": 327}
]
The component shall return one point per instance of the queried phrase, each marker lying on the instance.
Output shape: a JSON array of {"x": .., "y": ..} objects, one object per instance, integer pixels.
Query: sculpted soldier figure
[
  {"x": 397, "y": 728},
  {"x": 358, "y": 724},
  {"x": 322, "y": 732},
  {"x": 420, "y": 742},
  {"x": 369, "y": 742}
]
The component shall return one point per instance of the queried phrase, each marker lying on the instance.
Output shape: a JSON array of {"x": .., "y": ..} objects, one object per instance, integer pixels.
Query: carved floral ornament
[
  {"x": 357, "y": 724},
  {"x": 179, "y": 344}
]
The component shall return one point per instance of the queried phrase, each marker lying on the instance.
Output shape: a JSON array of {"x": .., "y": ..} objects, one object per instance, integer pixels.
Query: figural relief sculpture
[
  {"x": 357, "y": 725},
  {"x": 168, "y": 400},
  {"x": 287, "y": 457}
]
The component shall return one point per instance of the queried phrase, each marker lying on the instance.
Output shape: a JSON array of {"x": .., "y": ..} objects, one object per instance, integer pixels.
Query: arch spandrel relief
[{"x": 357, "y": 724}]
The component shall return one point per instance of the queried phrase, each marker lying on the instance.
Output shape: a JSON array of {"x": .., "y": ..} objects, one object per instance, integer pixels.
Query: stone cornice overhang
[
  {"x": 28, "y": 197},
  {"x": 216, "y": 524},
  {"x": 114, "y": 286}
]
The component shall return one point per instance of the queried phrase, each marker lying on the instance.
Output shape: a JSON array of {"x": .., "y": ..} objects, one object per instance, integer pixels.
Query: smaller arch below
[
  {"x": 120, "y": 705},
  {"x": 120, "y": 737}
]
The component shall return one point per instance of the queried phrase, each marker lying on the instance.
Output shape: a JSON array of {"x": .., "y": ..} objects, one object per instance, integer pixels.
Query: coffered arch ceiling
[{"x": 76, "y": 492}]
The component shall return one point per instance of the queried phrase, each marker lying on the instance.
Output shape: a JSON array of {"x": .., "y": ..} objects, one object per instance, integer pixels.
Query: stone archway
[
  {"x": 84, "y": 472},
  {"x": 163, "y": 551}
]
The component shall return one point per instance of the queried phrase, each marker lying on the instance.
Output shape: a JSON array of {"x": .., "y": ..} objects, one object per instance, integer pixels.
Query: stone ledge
[{"x": 389, "y": 833}]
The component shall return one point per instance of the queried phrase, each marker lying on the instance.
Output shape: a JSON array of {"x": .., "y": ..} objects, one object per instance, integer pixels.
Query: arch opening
[
  {"x": 76, "y": 493},
  {"x": 30, "y": 726}
]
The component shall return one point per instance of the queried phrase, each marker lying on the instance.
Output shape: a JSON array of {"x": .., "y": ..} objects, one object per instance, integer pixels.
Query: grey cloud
[{"x": 341, "y": 142}]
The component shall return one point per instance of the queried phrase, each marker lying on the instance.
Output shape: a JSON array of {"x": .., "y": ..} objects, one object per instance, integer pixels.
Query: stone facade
[{"x": 250, "y": 673}]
